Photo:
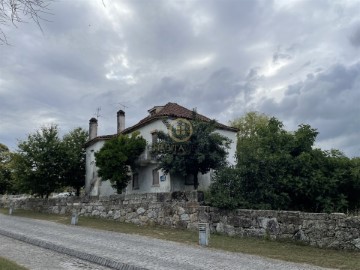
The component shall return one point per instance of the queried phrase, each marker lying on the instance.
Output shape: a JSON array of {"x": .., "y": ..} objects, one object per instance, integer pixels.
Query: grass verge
[
  {"x": 6, "y": 264},
  {"x": 283, "y": 250}
]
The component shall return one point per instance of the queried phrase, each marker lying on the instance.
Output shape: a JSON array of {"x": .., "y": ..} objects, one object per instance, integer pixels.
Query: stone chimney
[
  {"x": 93, "y": 124},
  {"x": 120, "y": 121}
]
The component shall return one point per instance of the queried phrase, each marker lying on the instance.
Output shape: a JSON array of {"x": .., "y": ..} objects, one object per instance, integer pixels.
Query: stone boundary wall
[{"x": 183, "y": 210}]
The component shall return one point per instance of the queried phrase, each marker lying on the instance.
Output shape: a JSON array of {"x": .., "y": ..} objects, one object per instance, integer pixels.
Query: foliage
[
  {"x": 45, "y": 162},
  {"x": 5, "y": 172},
  {"x": 38, "y": 165},
  {"x": 249, "y": 127},
  {"x": 277, "y": 169},
  {"x": 117, "y": 158},
  {"x": 74, "y": 159},
  {"x": 226, "y": 189},
  {"x": 205, "y": 150}
]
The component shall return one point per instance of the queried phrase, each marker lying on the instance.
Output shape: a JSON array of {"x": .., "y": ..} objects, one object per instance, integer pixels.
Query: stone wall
[{"x": 178, "y": 209}]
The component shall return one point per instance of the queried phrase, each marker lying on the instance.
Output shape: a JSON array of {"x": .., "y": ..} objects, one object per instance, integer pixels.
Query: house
[{"x": 148, "y": 178}]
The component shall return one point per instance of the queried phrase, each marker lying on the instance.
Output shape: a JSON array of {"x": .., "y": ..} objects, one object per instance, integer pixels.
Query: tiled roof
[
  {"x": 159, "y": 112},
  {"x": 99, "y": 138},
  {"x": 176, "y": 111}
]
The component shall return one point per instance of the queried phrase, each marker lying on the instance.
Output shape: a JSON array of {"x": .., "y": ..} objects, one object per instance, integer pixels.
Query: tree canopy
[
  {"x": 5, "y": 172},
  {"x": 45, "y": 163},
  {"x": 205, "y": 149},
  {"x": 117, "y": 158},
  {"x": 74, "y": 160},
  {"x": 38, "y": 165},
  {"x": 278, "y": 169}
]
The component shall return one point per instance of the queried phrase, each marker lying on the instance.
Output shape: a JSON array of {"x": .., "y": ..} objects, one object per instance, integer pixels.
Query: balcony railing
[{"x": 146, "y": 157}]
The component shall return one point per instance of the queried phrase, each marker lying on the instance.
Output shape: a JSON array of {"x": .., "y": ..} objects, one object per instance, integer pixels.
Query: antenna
[
  {"x": 122, "y": 105},
  {"x": 97, "y": 114}
]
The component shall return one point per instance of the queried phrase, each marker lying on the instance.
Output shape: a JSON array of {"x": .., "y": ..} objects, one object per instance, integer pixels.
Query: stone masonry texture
[{"x": 183, "y": 210}]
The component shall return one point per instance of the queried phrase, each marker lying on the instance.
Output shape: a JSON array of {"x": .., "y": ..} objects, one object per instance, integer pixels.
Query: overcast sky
[{"x": 296, "y": 60}]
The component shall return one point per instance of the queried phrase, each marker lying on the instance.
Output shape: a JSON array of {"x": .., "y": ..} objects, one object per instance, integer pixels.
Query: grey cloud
[
  {"x": 328, "y": 101},
  {"x": 61, "y": 74},
  {"x": 355, "y": 37}
]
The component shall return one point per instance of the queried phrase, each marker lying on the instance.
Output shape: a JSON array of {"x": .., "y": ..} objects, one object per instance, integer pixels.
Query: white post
[
  {"x": 11, "y": 208},
  {"x": 204, "y": 234},
  {"x": 74, "y": 218}
]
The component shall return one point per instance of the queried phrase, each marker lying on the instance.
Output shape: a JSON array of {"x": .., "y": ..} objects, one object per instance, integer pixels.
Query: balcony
[{"x": 146, "y": 157}]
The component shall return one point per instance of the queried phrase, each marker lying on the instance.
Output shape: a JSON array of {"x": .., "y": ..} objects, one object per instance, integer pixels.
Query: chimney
[
  {"x": 120, "y": 121},
  {"x": 93, "y": 124}
]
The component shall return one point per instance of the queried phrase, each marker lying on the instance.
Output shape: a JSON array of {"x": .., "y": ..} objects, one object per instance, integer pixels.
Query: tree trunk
[
  {"x": 196, "y": 181},
  {"x": 77, "y": 191}
]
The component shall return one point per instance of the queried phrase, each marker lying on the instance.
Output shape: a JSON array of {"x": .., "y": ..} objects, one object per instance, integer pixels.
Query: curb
[{"x": 71, "y": 252}]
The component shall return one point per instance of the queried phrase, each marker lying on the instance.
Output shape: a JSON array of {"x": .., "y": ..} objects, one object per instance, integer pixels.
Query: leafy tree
[
  {"x": 5, "y": 172},
  {"x": 247, "y": 136},
  {"x": 38, "y": 165},
  {"x": 74, "y": 159},
  {"x": 262, "y": 162},
  {"x": 16, "y": 11},
  {"x": 277, "y": 169},
  {"x": 204, "y": 150},
  {"x": 353, "y": 186},
  {"x": 117, "y": 158}
]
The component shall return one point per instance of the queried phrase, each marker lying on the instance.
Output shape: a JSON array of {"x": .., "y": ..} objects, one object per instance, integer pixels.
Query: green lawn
[
  {"x": 288, "y": 251},
  {"x": 6, "y": 264}
]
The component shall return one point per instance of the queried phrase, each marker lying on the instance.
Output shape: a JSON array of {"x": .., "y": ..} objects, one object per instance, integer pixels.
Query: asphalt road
[{"x": 124, "y": 251}]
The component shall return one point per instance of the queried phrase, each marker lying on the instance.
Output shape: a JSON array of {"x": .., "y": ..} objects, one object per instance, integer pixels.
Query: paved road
[
  {"x": 132, "y": 250},
  {"x": 36, "y": 258}
]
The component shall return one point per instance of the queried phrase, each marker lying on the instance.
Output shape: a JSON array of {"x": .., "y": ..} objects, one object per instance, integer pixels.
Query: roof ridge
[{"x": 170, "y": 109}]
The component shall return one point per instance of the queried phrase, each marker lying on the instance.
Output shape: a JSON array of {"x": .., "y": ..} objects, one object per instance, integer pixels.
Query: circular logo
[{"x": 180, "y": 130}]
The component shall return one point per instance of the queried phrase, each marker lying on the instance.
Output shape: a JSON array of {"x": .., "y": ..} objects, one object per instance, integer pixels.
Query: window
[
  {"x": 156, "y": 178},
  {"x": 135, "y": 181}
]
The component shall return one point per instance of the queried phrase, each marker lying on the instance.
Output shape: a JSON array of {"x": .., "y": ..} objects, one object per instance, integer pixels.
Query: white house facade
[{"x": 147, "y": 178}]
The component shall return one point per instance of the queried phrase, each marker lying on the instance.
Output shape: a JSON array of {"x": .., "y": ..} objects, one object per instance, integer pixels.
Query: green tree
[
  {"x": 353, "y": 186},
  {"x": 204, "y": 150},
  {"x": 5, "y": 172},
  {"x": 278, "y": 169},
  {"x": 248, "y": 135},
  {"x": 262, "y": 161},
  {"x": 38, "y": 165},
  {"x": 226, "y": 189},
  {"x": 117, "y": 158},
  {"x": 74, "y": 159}
]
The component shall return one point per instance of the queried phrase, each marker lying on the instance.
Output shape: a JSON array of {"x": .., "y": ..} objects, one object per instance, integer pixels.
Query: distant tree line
[
  {"x": 278, "y": 169},
  {"x": 44, "y": 163}
]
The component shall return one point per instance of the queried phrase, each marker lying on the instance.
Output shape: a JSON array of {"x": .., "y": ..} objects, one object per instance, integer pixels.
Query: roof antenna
[
  {"x": 97, "y": 114},
  {"x": 122, "y": 105}
]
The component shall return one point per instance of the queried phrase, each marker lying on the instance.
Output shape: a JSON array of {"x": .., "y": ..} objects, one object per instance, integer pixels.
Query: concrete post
[{"x": 74, "y": 218}]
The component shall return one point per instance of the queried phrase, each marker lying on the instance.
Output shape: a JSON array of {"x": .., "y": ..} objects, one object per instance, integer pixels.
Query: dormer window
[{"x": 155, "y": 110}]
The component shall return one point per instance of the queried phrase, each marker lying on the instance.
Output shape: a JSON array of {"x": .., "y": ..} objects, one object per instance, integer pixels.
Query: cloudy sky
[{"x": 296, "y": 60}]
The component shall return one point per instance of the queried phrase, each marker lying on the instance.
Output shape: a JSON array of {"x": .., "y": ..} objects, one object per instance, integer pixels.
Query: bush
[{"x": 226, "y": 188}]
